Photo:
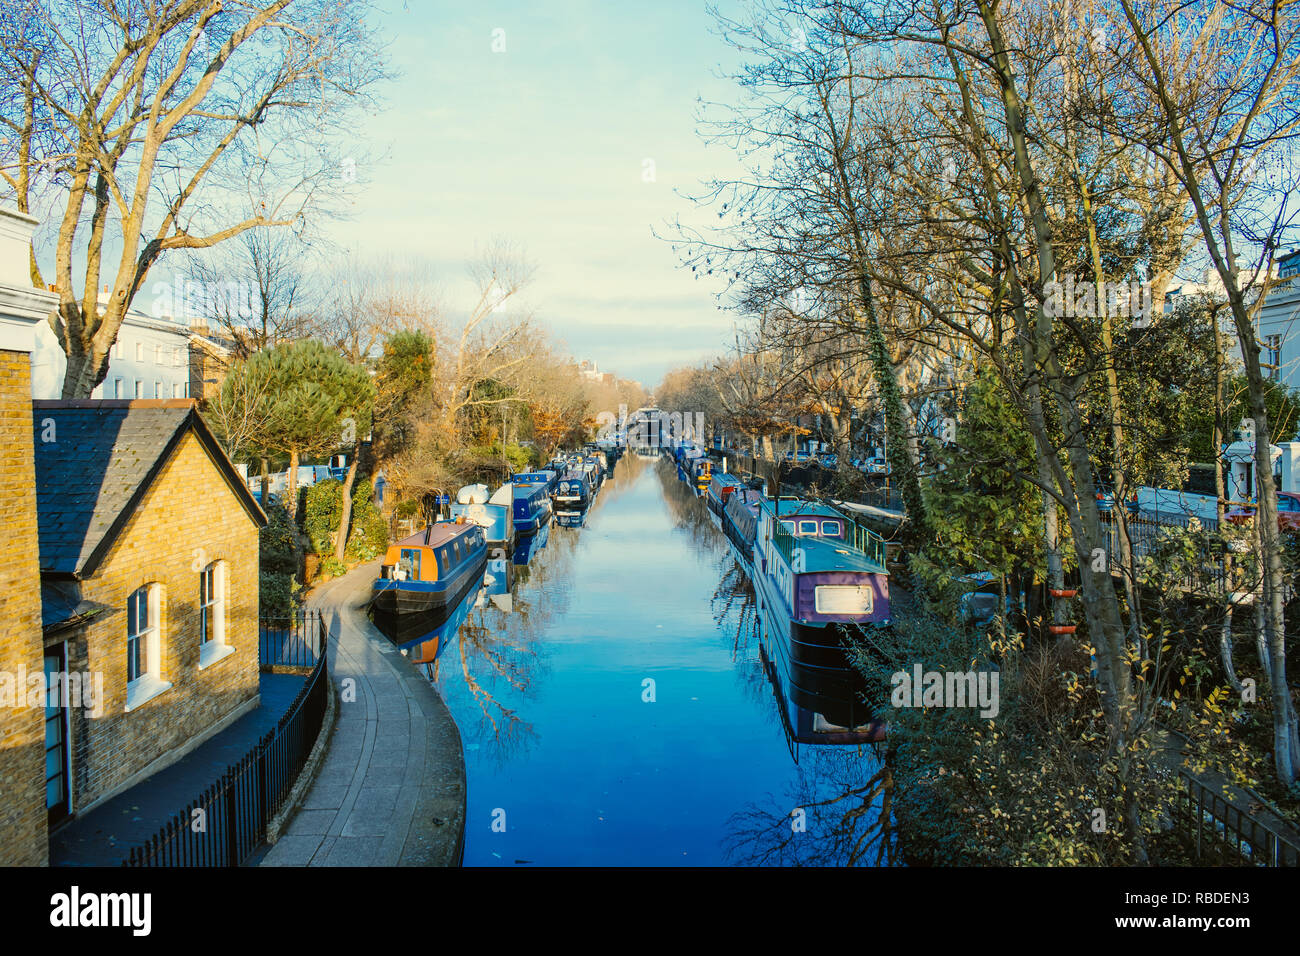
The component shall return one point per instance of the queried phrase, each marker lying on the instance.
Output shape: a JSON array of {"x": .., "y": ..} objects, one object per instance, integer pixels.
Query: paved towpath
[{"x": 391, "y": 788}]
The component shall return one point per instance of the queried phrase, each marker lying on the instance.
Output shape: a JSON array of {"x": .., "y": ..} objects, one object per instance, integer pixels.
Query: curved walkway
[{"x": 391, "y": 789}]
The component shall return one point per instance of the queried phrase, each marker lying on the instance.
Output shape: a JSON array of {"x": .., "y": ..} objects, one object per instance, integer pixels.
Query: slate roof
[{"x": 103, "y": 457}]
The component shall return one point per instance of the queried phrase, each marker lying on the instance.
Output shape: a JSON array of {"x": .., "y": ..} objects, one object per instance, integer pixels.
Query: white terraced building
[{"x": 151, "y": 359}]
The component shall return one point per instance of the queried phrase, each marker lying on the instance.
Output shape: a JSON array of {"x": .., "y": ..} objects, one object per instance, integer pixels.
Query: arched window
[
  {"x": 212, "y": 614},
  {"x": 144, "y": 646}
]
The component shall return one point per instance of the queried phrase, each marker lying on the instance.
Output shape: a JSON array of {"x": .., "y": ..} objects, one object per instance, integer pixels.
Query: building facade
[{"x": 149, "y": 576}]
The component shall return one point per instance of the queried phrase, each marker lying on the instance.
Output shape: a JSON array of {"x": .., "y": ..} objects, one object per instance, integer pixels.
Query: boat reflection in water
[
  {"x": 423, "y": 636},
  {"x": 529, "y": 545},
  {"x": 498, "y": 579},
  {"x": 571, "y": 519}
]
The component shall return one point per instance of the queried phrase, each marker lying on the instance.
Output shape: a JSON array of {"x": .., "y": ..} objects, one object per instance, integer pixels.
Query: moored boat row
[{"x": 818, "y": 577}]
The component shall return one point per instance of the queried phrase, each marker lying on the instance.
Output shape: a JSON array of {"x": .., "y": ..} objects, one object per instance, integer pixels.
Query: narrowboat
[
  {"x": 423, "y": 637},
  {"x": 701, "y": 474},
  {"x": 546, "y": 476},
  {"x": 740, "y": 524},
  {"x": 595, "y": 476},
  {"x": 572, "y": 492},
  {"x": 432, "y": 569},
  {"x": 532, "y": 504},
  {"x": 817, "y": 576},
  {"x": 492, "y": 514},
  {"x": 721, "y": 487}
]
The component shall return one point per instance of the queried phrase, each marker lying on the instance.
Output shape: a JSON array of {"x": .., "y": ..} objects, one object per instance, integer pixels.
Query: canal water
[{"x": 615, "y": 709}]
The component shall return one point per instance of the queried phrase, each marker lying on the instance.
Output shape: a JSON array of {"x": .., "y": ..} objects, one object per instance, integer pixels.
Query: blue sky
[{"x": 545, "y": 144}]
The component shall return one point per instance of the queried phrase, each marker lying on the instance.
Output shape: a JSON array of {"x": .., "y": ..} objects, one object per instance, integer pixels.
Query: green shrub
[
  {"x": 277, "y": 542},
  {"x": 368, "y": 538},
  {"x": 323, "y": 511},
  {"x": 333, "y": 568},
  {"x": 276, "y": 594},
  {"x": 407, "y": 509}
]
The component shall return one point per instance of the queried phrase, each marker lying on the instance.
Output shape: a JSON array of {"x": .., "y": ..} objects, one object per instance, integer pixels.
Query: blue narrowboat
[
  {"x": 532, "y": 504},
  {"x": 546, "y": 476},
  {"x": 423, "y": 637},
  {"x": 432, "y": 569},
  {"x": 817, "y": 575},
  {"x": 572, "y": 492},
  {"x": 595, "y": 475}
]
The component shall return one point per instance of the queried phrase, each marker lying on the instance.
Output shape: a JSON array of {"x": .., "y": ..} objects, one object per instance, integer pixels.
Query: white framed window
[
  {"x": 139, "y": 351},
  {"x": 158, "y": 390},
  {"x": 1274, "y": 362},
  {"x": 178, "y": 357},
  {"x": 117, "y": 349},
  {"x": 144, "y": 646},
  {"x": 157, "y": 355},
  {"x": 139, "y": 389},
  {"x": 117, "y": 388},
  {"x": 176, "y": 390},
  {"x": 212, "y": 615}
]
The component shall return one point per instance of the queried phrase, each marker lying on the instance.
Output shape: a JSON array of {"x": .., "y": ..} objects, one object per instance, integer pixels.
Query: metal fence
[
  {"x": 227, "y": 822},
  {"x": 1228, "y": 835},
  {"x": 296, "y": 640},
  {"x": 1145, "y": 533}
]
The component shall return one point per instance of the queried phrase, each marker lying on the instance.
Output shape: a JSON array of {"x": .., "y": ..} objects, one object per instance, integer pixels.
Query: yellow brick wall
[
  {"x": 24, "y": 839},
  {"x": 190, "y": 507}
]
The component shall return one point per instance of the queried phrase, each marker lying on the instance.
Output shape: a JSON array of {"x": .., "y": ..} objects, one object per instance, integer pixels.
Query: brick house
[
  {"x": 210, "y": 358},
  {"x": 149, "y": 580},
  {"x": 24, "y": 837}
]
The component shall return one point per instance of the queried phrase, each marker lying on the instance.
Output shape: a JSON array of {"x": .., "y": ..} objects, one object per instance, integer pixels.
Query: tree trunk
[
  {"x": 291, "y": 487},
  {"x": 345, "y": 520}
]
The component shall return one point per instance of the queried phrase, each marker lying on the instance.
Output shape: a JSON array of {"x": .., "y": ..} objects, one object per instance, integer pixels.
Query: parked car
[
  {"x": 877, "y": 466},
  {"x": 257, "y": 495},
  {"x": 1288, "y": 512},
  {"x": 979, "y": 603},
  {"x": 828, "y": 459}
]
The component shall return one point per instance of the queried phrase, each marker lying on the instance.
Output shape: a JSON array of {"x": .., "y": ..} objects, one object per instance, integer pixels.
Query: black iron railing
[
  {"x": 227, "y": 822},
  {"x": 295, "y": 640},
  {"x": 1225, "y": 833}
]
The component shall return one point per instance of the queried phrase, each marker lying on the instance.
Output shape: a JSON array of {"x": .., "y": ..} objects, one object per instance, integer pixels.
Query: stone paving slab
[{"x": 391, "y": 789}]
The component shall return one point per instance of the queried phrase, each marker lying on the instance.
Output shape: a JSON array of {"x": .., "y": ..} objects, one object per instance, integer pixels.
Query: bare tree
[{"x": 178, "y": 125}]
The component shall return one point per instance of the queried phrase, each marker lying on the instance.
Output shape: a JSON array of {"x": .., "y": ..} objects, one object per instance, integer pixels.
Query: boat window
[
  {"x": 787, "y": 527},
  {"x": 442, "y": 562},
  {"x": 409, "y": 562},
  {"x": 830, "y": 529},
  {"x": 807, "y": 527}
]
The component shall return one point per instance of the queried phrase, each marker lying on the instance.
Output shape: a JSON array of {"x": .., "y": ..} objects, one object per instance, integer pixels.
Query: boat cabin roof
[
  {"x": 439, "y": 534},
  {"x": 797, "y": 508}
]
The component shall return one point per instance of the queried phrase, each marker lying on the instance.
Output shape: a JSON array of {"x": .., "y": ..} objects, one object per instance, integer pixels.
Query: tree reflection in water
[{"x": 830, "y": 815}]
